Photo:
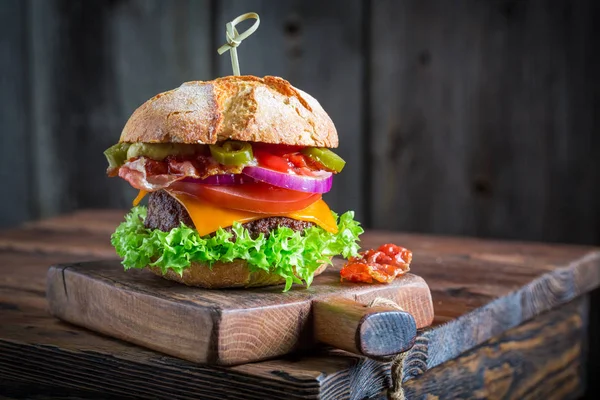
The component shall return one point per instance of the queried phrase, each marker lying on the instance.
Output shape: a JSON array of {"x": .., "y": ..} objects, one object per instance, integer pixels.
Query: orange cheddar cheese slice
[
  {"x": 208, "y": 217},
  {"x": 139, "y": 197}
]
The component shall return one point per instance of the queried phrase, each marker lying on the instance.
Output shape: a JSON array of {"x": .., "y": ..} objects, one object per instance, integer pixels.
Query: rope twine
[
  {"x": 396, "y": 392},
  {"x": 234, "y": 38}
]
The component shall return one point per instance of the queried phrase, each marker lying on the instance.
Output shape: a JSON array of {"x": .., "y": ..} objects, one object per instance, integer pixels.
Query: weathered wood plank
[
  {"x": 317, "y": 46},
  {"x": 87, "y": 247},
  {"x": 541, "y": 359},
  {"x": 15, "y": 142},
  {"x": 83, "y": 221},
  {"x": 94, "y": 63},
  {"x": 31, "y": 267},
  {"x": 73, "y": 103},
  {"x": 483, "y": 115}
]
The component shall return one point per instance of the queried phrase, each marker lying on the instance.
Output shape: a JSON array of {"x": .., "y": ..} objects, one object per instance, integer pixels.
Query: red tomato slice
[
  {"x": 254, "y": 197},
  {"x": 272, "y": 161},
  {"x": 289, "y": 163},
  {"x": 297, "y": 159}
]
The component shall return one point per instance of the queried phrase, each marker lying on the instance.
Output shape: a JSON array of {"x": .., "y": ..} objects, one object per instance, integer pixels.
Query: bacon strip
[
  {"x": 382, "y": 265},
  {"x": 150, "y": 175}
]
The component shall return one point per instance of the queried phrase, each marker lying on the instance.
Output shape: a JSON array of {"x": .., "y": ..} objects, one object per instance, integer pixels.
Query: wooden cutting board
[{"x": 236, "y": 326}]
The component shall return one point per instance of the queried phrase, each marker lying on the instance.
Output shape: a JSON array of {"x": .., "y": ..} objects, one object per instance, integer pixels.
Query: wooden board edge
[
  {"x": 64, "y": 302},
  {"x": 291, "y": 336},
  {"x": 54, "y": 282}
]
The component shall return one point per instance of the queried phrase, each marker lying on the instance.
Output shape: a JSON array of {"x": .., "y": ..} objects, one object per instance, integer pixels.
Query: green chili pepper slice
[
  {"x": 326, "y": 157},
  {"x": 116, "y": 155},
  {"x": 232, "y": 153},
  {"x": 160, "y": 151}
]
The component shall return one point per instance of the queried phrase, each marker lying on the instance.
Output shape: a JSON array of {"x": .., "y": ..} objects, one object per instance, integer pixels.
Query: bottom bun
[{"x": 224, "y": 275}]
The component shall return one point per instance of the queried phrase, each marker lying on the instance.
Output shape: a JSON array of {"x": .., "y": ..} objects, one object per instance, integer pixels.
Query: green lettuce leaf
[{"x": 279, "y": 253}]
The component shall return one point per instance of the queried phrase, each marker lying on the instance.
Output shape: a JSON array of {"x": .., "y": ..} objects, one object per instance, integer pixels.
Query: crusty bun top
[{"x": 246, "y": 108}]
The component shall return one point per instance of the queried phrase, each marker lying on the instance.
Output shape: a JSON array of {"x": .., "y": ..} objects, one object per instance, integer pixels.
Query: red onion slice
[
  {"x": 222, "y": 179},
  {"x": 300, "y": 183}
]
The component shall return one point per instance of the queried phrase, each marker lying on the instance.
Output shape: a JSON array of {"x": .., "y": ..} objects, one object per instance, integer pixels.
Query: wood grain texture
[
  {"x": 468, "y": 277},
  {"x": 318, "y": 47},
  {"x": 72, "y": 241},
  {"x": 94, "y": 63},
  {"x": 540, "y": 359},
  {"x": 481, "y": 114},
  {"x": 31, "y": 271},
  {"x": 15, "y": 115},
  {"x": 209, "y": 326},
  {"x": 370, "y": 331},
  {"x": 73, "y": 99},
  {"x": 102, "y": 222}
]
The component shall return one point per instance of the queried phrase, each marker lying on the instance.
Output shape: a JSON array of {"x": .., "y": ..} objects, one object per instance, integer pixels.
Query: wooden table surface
[{"x": 510, "y": 322}]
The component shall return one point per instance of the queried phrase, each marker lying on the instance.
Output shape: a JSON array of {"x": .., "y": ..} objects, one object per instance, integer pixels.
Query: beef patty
[{"x": 166, "y": 213}]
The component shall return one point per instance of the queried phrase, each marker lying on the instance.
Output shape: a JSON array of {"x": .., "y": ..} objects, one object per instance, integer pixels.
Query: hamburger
[{"x": 233, "y": 171}]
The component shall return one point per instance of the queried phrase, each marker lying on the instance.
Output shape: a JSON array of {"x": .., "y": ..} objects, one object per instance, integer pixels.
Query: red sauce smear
[{"x": 382, "y": 265}]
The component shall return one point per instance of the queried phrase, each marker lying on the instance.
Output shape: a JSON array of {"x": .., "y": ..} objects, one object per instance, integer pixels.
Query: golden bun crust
[
  {"x": 246, "y": 108},
  {"x": 224, "y": 275}
]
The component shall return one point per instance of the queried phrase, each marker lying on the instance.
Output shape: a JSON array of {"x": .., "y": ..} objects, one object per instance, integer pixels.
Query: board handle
[{"x": 375, "y": 332}]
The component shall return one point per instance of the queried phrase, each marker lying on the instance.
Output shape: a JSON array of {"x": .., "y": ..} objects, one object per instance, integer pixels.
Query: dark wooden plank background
[
  {"x": 487, "y": 123},
  {"x": 467, "y": 117}
]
